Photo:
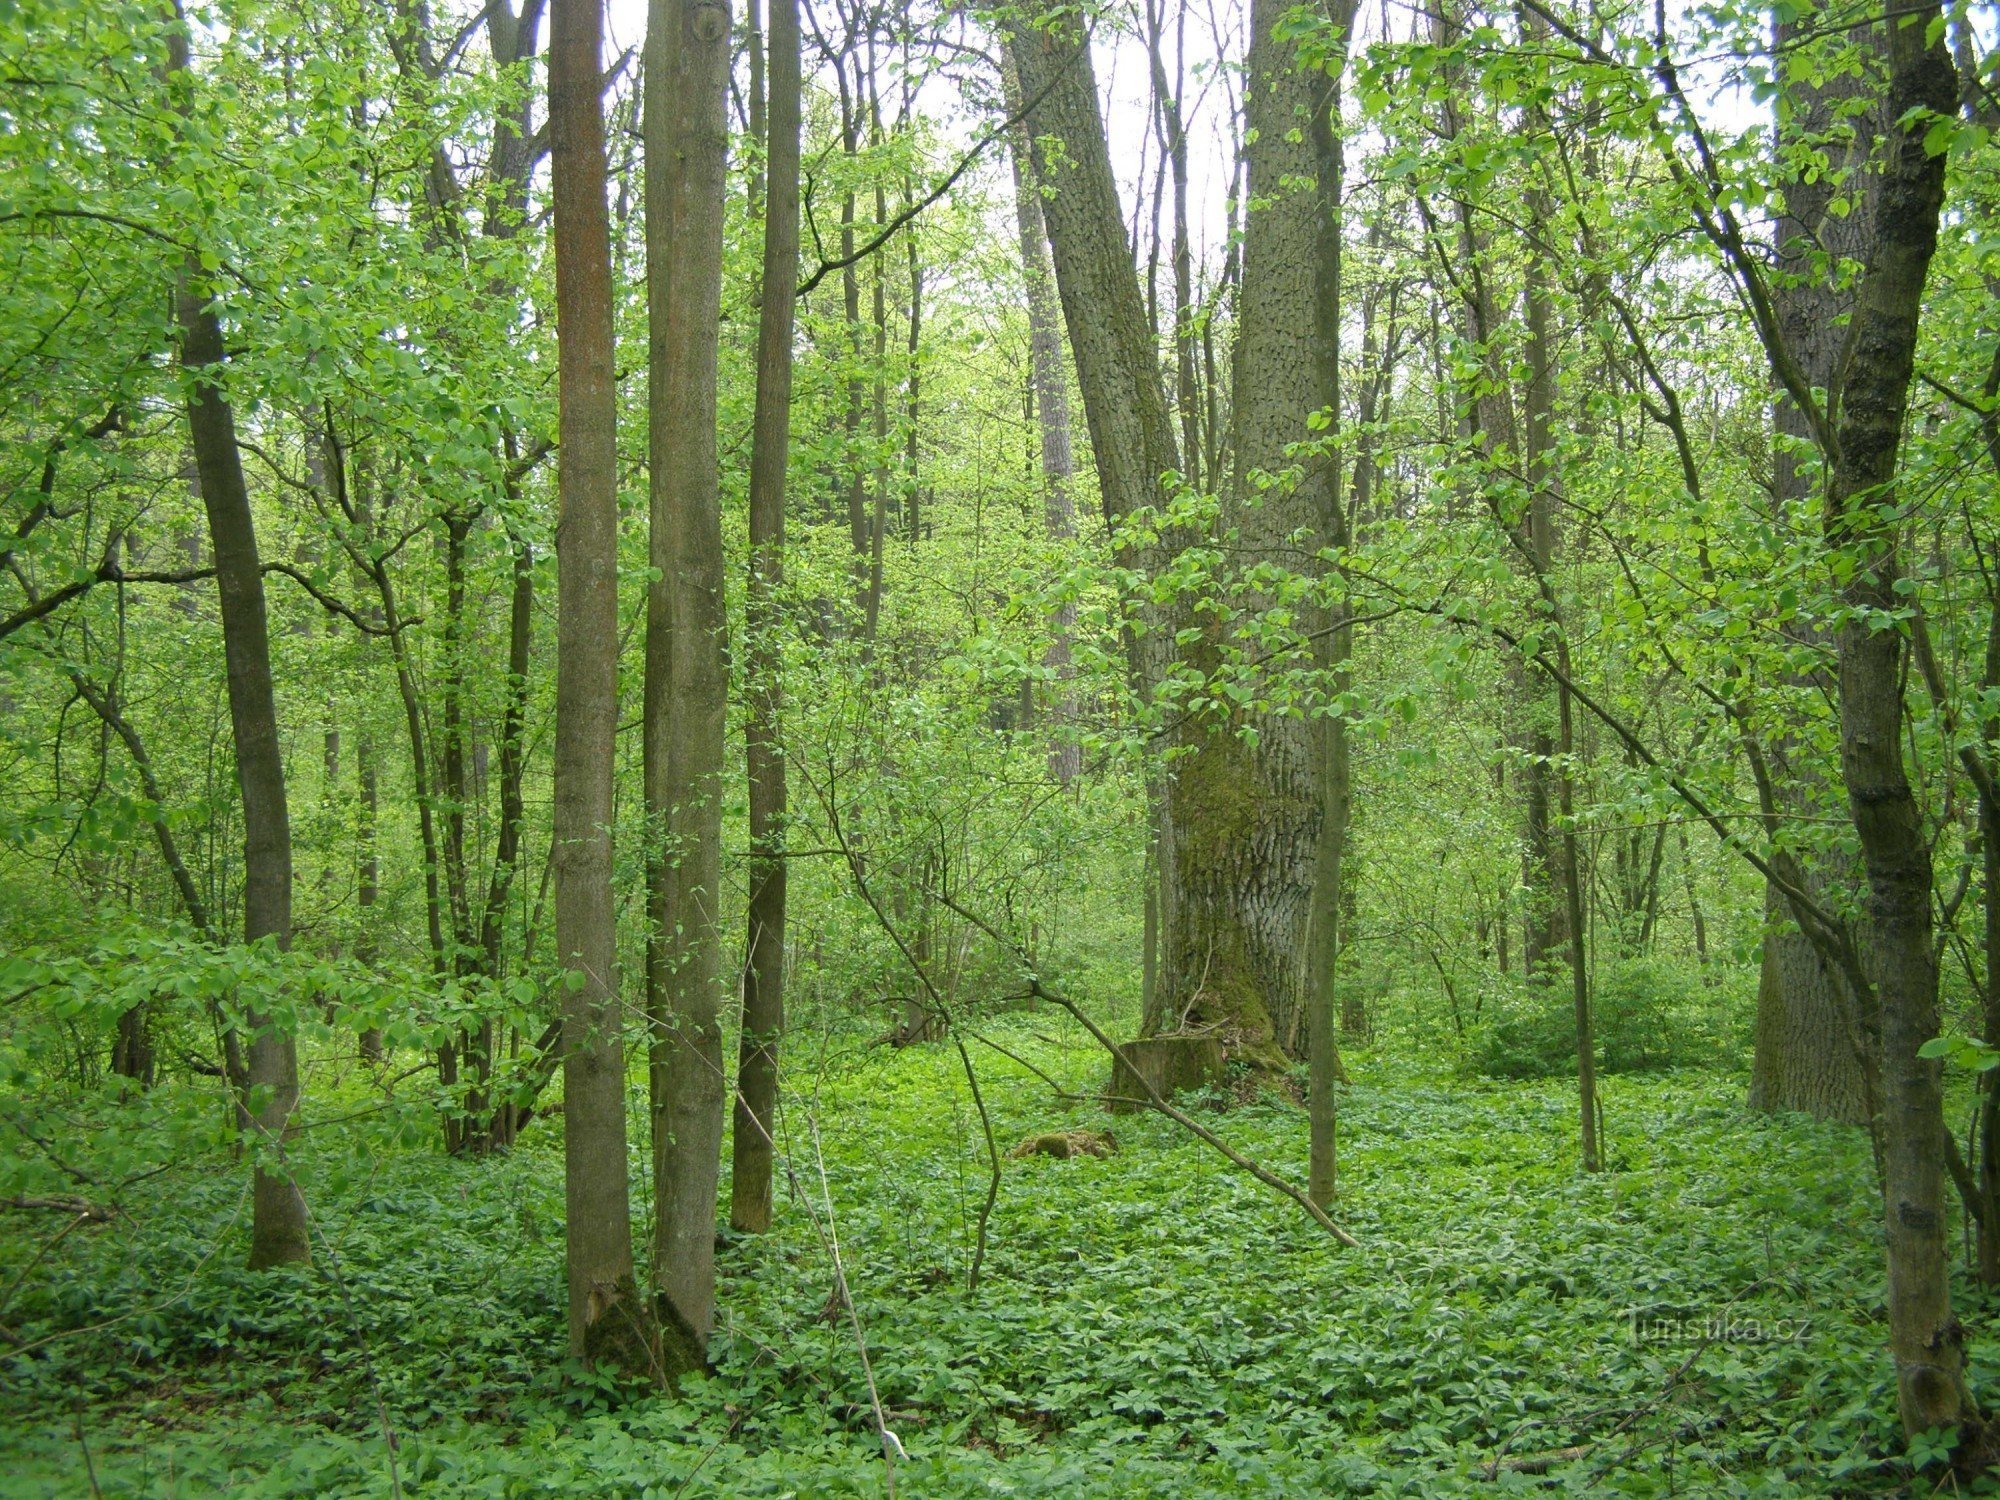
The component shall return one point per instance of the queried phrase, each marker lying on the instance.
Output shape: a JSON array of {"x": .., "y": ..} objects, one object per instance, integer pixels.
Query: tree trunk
[
  {"x": 1050, "y": 387},
  {"x": 764, "y": 758},
  {"x": 1804, "y": 1055},
  {"x": 1118, "y": 377},
  {"x": 1544, "y": 482},
  {"x": 501, "y": 1124},
  {"x": 1807, "y": 1013},
  {"x": 686, "y": 127},
  {"x": 279, "y": 1233},
  {"x": 608, "y": 1320},
  {"x": 1246, "y": 815},
  {"x": 1924, "y": 1335},
  {"x": 368, "y": 875}
]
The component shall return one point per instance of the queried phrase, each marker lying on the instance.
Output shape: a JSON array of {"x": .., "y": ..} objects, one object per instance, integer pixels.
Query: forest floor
[{"x": 1154, "y": 1323}]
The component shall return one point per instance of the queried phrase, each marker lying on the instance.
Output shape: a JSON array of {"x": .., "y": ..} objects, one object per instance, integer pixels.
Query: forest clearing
[{"x": 883, "y": 747}]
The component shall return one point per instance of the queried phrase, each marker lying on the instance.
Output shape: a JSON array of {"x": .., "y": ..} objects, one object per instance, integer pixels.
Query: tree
[
  {"x": 279, "y": 1230},
  {"x": 608, "y": 1321},
  {"x": 752, "y": 1139},
  {"x": 687, "y": 146},
  {"x": 1808, "y": 1019}
]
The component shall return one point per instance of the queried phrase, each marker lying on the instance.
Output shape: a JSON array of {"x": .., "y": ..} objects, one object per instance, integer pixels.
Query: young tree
[
  {"x": 608, "y": 1320},
  {"x": 279, "y": 1232},
  {"x": 687, "y": 147},
  {"x": 764, "y": 758},
  {"x": 1049, "y": 388}
]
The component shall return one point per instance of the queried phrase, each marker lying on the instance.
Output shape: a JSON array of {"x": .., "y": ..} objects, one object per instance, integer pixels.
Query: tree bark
[
  {"x": 1125, "y": 408},
  {"x": 764, "y": 759},
  {"x": 1050, "y": 386},
  {"x": 1245, "y": 809},
  {"x": 1925, "y": 1337},
  {"x": 1807, "y": 1013},
  {"x": 687, "y": 142},
  {"x": 279, "y": 1233},
  {"x": 608, "y": 1321}
]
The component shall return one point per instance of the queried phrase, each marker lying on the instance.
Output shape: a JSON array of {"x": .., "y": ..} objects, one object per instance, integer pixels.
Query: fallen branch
[
  {"x": 83, "y": 1208},
  {"x": 1153, "y": 1100}
]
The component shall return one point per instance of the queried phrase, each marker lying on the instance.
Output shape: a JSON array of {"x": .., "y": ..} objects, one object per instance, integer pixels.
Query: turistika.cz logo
[{"x": 1717, "y": 1326}]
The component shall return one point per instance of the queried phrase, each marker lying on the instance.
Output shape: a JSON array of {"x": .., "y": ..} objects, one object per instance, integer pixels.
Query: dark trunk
[{"x": 764, "y": 959}]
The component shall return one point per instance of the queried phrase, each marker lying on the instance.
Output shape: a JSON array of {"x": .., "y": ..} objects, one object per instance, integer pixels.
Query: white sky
[{"x": 1212, "y": 32}]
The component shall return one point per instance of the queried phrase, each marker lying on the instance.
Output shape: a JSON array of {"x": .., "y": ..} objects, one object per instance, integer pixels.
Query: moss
[{"x": 1064, "y": 1144}]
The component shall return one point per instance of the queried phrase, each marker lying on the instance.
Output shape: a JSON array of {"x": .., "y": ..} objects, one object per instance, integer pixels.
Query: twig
[{"x": 892, "y": 1446}]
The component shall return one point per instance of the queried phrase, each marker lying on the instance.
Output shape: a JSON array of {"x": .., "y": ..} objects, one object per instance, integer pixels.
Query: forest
[{"x": 891, "y": 747}]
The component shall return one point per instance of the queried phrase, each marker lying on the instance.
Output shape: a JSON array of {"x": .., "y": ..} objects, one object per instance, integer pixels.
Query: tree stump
[{"x": 1169, "y": 1063}]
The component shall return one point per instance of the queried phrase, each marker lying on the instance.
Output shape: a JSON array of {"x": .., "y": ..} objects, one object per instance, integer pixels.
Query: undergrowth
[{"x": 1154, "y": 1323}]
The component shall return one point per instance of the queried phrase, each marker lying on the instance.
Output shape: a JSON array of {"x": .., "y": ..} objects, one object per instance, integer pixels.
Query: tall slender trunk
[
  {"x": 850, "y": 297},
  {"x": 1174, "y": 151},
  {"x": 1333, "y": 649},
  {"x": 501, "y": 1126},
  {"x": 687, "y": 142},
  {"x": 1050, "y": 387},
  {"x": 1925, "y": 1337},
  {"x": 878, "y": 515},
  {"x": 764, "y": 759},
  {"x": 279, "y": 1233},
  {"x": 608, "y": 1320},
  {"x": 1543, "y": 475},
  {"x": 368, "y": 874}
]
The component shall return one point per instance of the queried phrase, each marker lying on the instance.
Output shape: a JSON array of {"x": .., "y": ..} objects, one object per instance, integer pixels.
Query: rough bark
[
  {"x": 1049, "y": 385},
  {"x": 607, "y": 1319},
  {"x": 1163, "y": 1065},
  {"x": 1125, "y": 409},
  {"x": 1807, "y": 1012},
  {"x": 1246, "y": 811},
  {"x": 764, "y": 760},
  {"x": 686, "y": 130}
]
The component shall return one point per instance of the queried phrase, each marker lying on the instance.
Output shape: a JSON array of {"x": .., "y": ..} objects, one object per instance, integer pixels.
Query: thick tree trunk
[
  {"x": 608, "y": 1320},
  {"x": 1807, "y": 1013},
  {"x": 764, "y": 758},
  {"x": 1804, "y": 1052},
  {"x": 1246, "y": 815},
  {"x": 687, "y": 141}
]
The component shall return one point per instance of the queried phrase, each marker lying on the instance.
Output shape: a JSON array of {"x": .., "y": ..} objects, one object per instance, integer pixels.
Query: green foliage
[
  {"x": 1648, "y": 1015},
  {"x": 1150, "y": 1323}
]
